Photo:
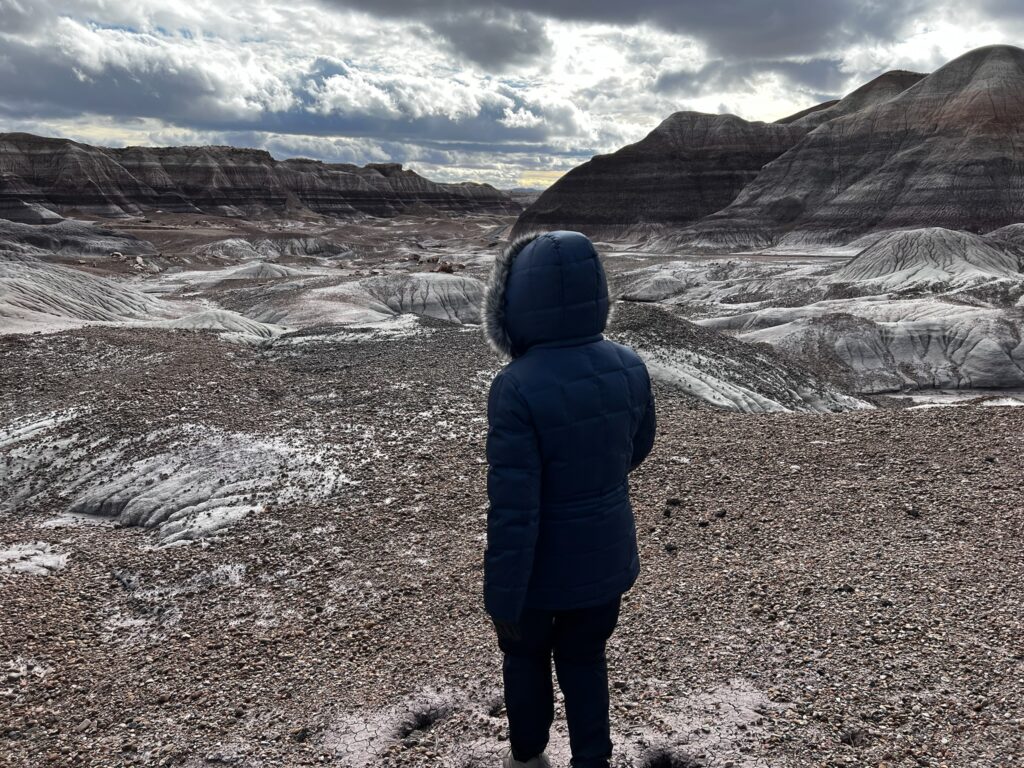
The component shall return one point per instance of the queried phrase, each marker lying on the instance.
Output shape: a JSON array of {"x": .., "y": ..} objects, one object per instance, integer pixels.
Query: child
[{"x": 569, "y": 418}]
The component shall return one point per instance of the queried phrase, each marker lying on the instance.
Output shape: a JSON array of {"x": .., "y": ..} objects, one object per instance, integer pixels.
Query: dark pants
[{"x": 576, "y": 639}]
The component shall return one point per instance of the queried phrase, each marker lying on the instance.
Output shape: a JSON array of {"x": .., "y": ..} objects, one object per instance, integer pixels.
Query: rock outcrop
[
  {"x": 262, "y": 270},
  {"x": 186, "y": 482},
  {"x": 1011, "y": 238},
  {"x": 238, "y": 250},
  {"x": 691, "y": 165},
  {"x": 892, "y": 346},
  {"x": 36, "y": 558},
  {"x": 68, "y": 240},
  {"x": 722, "y": 371},
  {"x": 70, "y": 177},
  {"x": 944, "y": 152},
  {"x": 916, "y": 309},
  {"x": 19, "y": 211},
  {"x": 455, "y": 298}
]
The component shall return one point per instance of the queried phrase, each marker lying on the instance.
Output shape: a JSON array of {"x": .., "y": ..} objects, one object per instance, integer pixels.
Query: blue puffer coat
[{"x": 569, "y": 418}]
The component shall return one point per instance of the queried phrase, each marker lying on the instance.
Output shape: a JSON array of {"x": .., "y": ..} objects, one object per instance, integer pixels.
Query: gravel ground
[{"x": 816, "y": 590}]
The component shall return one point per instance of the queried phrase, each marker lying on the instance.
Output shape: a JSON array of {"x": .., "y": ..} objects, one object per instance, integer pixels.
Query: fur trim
[{"x": 494, "y": 296}]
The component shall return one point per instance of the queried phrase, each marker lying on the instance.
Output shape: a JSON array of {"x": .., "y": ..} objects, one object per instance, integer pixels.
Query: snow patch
[
  {"x": 400, "y": 327},
  {"x": 206, "y": 481},
  {"x": 32, "y": 558},
  {"x": 460, "y": 728}
]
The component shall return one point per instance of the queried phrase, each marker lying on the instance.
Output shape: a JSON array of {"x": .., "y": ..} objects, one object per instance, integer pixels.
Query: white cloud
[
  {"x": 520, "y": 118},
  {"x": 353, "y": 92}
]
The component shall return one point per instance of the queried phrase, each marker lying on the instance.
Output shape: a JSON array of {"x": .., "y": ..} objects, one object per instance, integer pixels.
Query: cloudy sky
[{"x": 514, "y": 93}]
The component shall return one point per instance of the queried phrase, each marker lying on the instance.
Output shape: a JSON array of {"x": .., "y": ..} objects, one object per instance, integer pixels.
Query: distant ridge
[{"x": 66, "y": 176}]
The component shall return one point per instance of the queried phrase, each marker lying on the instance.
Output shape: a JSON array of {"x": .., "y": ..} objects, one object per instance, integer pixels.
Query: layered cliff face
[
  {"x": 689, "y": 166},
  {"x": 70, "y": 177},
  {"x": 945, "y": 152},
  {"x": 63, "y": 175}
]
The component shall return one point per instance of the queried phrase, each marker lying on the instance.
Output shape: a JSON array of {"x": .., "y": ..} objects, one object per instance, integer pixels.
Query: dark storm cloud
[
  {"x": 743, "y": 28},
  {"x": 821, "y": 76},
  {"x": 494, "y": 35},
  {"x": 15, "y": 17},
  {"x": 1002, "y": 8},
  {"x": 41, "y": 82},
  {"x": 494, "y": 39}
]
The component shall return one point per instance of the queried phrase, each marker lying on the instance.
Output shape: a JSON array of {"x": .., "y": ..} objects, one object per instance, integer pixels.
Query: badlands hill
[
  {"x": 57, "y": 175},
  {"x": 882, "y": 88},
  {"x": 915, "y": 258},
  {"x": 691, "y": 165},
  {"x": 945, "y": 152},
  {"x": 903, "y": 151}
]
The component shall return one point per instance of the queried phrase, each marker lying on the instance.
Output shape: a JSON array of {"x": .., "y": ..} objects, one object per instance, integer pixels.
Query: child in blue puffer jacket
[{"x": 569, "y": 418}]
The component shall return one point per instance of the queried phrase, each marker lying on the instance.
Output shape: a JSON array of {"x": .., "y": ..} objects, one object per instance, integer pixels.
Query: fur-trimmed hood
[{"x": 545, "y": 288}]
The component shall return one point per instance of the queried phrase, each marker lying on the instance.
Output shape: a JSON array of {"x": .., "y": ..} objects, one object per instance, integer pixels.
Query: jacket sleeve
[
  {"x": 513, "y": 488},
  {"x": 643, "y": 440}
]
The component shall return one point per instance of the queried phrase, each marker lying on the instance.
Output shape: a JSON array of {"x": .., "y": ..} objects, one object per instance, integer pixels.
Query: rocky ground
[{"x": 817, "y": 590}]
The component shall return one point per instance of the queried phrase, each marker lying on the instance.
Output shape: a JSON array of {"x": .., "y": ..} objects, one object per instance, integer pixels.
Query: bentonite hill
[
  {"x": 904, "y": 150},
  {"x": 242, "y": 479}
]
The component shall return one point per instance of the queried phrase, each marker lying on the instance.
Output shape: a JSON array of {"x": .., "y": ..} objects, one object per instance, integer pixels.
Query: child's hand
[{"x": 508, "y": 630}]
